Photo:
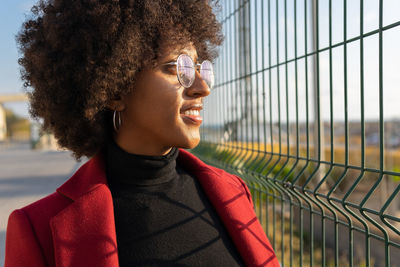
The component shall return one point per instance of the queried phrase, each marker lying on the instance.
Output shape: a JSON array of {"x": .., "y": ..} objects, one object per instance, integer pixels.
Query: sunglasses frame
[{"x": 195, "y": 67}]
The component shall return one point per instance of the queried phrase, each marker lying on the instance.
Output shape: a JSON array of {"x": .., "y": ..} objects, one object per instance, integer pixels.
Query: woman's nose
[{"x": 199, "y": 87}]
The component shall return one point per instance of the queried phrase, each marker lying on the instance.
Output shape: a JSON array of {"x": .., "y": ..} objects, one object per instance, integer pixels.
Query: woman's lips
[{"x": 193, "y": 119}]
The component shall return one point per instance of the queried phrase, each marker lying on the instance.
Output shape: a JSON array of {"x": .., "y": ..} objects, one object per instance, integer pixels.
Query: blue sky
[{"x": 11, "y": 16}]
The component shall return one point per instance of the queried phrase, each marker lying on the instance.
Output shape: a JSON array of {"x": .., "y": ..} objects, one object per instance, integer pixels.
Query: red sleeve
[{"x": 22, "y": 246}]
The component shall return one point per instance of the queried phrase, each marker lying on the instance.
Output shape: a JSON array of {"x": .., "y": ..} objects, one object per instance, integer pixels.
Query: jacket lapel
[{"x": 84, "y": 232}]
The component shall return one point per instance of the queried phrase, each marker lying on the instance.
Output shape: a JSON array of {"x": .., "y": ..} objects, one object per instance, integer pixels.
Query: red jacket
[{"x": 75, "y": 225}]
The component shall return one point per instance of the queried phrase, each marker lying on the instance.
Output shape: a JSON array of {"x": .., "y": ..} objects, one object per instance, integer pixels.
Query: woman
[{"x": 122, "y": 82}]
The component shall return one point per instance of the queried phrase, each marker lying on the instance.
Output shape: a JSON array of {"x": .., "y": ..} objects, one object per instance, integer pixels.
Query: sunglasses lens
[
  {"x": 207, "y": 73},
  {"x": 186, "y": 71}
]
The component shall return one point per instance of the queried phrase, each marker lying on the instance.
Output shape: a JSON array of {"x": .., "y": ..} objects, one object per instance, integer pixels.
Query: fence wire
[{"x": 304, "y": 110}]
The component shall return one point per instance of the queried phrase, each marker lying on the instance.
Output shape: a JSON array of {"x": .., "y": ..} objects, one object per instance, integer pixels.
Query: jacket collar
[{"x": 84, "y": 234}]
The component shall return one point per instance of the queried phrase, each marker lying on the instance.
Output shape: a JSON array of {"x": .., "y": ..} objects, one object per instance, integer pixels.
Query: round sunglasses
[{"x": 186, "y": 71}]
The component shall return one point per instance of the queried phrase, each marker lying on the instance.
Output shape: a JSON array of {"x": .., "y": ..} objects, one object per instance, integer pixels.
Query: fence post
[
  {"x": 318, "y": 127},
  {"x": 244, "y": 54}
]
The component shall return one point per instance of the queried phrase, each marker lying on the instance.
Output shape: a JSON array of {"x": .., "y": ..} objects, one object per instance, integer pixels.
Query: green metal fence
[{"x": 305, "y": 111}]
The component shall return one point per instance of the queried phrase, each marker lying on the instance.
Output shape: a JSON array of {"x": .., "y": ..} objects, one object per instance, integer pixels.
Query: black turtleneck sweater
[{"x": 162, "y": 216}]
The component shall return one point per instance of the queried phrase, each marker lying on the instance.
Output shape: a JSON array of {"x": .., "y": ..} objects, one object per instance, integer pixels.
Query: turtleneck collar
[{"x": 125, "y": 168}]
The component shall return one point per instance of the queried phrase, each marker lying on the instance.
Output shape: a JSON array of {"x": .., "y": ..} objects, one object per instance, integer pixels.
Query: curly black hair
[{"x": 78, "y": 55}]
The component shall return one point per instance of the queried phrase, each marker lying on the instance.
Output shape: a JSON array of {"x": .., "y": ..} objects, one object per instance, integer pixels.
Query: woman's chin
[{"x": 190, "y": 143}]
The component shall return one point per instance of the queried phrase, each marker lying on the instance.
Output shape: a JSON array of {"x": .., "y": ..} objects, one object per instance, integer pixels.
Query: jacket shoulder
[
  {"x": 229, "y": 177},
  {"x": 233, "y": 179},
  {"x": 22, "y": 246},
  {"x": 31, "y": 224}
]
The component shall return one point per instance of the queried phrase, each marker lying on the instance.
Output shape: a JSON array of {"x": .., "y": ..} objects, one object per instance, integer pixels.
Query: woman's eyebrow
[{"x": 169, "y": 60}]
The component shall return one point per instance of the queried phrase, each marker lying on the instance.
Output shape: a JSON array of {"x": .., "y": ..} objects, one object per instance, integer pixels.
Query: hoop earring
[{"x": 119, "y": 121}]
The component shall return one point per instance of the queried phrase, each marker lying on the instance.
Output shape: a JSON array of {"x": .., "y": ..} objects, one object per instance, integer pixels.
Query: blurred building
[{"x": 3, "y": 127}]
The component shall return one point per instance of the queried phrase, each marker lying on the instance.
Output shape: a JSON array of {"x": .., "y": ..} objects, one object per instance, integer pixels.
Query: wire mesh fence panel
[{"x": 304, "y": 109}]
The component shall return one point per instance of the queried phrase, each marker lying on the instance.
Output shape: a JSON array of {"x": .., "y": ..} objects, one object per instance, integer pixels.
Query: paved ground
[{"x": 26, "y": 176}]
